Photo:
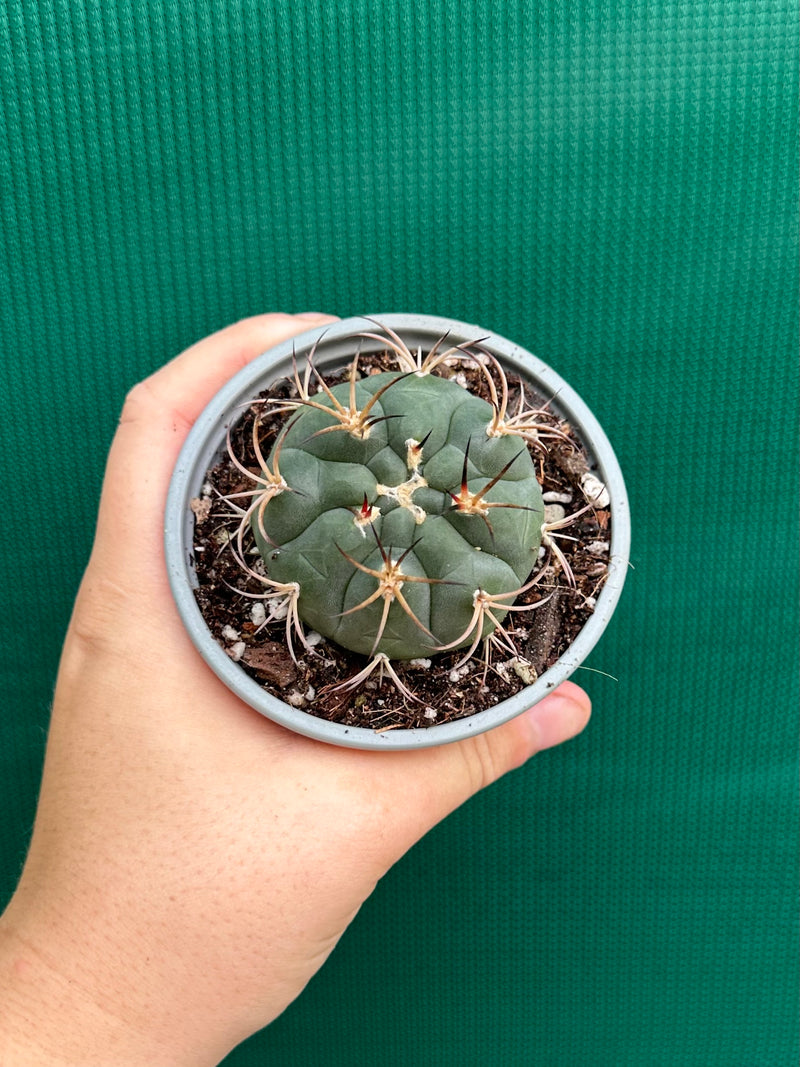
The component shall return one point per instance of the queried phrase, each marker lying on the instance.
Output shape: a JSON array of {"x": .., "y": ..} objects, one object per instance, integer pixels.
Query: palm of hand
[{"x": 192, "y": 860}]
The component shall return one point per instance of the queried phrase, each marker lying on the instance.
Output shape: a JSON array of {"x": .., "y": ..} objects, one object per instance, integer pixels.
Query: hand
[{"x": 193, "y": 864}]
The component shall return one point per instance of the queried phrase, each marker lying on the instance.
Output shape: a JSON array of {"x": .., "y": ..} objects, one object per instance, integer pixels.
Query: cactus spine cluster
[{"x": 397, "y": 510}]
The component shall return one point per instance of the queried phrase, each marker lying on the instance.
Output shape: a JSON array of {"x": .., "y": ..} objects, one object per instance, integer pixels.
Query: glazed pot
[{"x": 206, "y": 444}]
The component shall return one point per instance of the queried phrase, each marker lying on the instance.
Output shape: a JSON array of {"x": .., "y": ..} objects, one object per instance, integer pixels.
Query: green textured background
[{"x": 614, "y": 186}]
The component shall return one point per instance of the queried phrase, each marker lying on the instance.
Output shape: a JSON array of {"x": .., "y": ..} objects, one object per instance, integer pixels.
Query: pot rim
[{"x": 206, "y": 440}]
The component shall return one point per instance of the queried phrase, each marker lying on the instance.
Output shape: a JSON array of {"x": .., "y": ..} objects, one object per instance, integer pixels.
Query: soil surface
[{"x": 253, "y": 630}]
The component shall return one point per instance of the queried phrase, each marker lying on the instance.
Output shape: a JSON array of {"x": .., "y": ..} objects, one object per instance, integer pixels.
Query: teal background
[{"x": 613, "y": 185}]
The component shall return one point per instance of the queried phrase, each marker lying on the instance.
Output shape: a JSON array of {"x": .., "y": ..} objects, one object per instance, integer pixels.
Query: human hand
[{"x": 193, "y": 864}]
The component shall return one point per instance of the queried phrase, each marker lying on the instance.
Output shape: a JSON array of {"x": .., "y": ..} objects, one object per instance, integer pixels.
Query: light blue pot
[{"x": 206, "y": 444}]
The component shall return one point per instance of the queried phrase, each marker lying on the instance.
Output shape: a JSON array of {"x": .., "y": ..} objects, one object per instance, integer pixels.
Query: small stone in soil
[
  {"x": 201, "y": 507},
  {"x": 271, "y": 662}
]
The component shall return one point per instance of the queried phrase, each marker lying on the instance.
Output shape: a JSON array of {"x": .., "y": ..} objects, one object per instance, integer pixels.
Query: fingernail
[
  {"x": 559, "y": 716},
  {"x": 316, "y": 316}
]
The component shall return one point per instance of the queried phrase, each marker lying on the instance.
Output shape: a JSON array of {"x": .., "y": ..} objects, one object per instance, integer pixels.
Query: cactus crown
[{"x": 401, "y": 510}]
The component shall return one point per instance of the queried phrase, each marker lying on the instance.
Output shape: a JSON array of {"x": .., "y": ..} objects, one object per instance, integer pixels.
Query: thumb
[
  {"x": 481, "y": 760},
  {"x": 447, "y": 776}
]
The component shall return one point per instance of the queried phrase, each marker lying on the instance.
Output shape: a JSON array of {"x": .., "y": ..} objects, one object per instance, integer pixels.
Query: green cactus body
[{"x": 319, "y": 530}]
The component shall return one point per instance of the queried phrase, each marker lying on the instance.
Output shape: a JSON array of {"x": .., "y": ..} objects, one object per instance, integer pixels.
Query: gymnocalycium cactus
[{"x": 398, "y": 513}]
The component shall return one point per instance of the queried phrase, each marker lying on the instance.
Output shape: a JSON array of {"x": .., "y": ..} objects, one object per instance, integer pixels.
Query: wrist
[{"x": 54, "y": 1013}]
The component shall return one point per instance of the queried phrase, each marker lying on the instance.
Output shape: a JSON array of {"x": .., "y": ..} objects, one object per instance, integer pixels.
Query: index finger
[
  {"x": 184, "y": 386},
  {"x": 155, "y": 421}
]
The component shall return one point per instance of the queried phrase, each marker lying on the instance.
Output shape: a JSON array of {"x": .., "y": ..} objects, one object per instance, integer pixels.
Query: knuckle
[
  {"x": 484, "y": 760},
  {"x": 139, "y": 402},
  {"x": 94, "y": 627}
]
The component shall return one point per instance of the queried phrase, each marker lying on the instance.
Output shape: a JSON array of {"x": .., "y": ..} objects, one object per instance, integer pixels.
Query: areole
[{"x": 333, "y": 349}]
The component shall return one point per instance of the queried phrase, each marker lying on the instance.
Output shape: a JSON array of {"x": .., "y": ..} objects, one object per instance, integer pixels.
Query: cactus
[{"x": 398, "y": 513}]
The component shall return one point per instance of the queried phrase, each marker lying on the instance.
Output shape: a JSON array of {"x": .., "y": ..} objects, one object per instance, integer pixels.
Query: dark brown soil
[{"x": 442, "y": 692}]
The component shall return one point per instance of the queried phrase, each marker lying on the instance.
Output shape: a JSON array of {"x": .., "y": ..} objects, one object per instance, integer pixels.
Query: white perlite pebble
[
  {"x": 313, "y": 639},
  {"x": 431, "y": 713},
  {"x": 594, "y": 490},
  {"x": 258, "y": 613},
  {"x": 598, "y": 548},
  {"x": 461, "y": 672},
  {"x": 230, "y": 634},
  {"x": 502, "y": 669},
  {"x": 523, "y": 669},
  {"x": 557, "y": 498},
  {"x": 553, "y": 513},
  {"x": 236, "y": 651},
  {"x": 279, "y": 609},
  {"x": 424, "y": 664}
]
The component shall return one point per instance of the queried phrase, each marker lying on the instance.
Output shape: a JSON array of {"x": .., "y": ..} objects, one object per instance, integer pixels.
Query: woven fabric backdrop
[{"x": 611, "y": 184}]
